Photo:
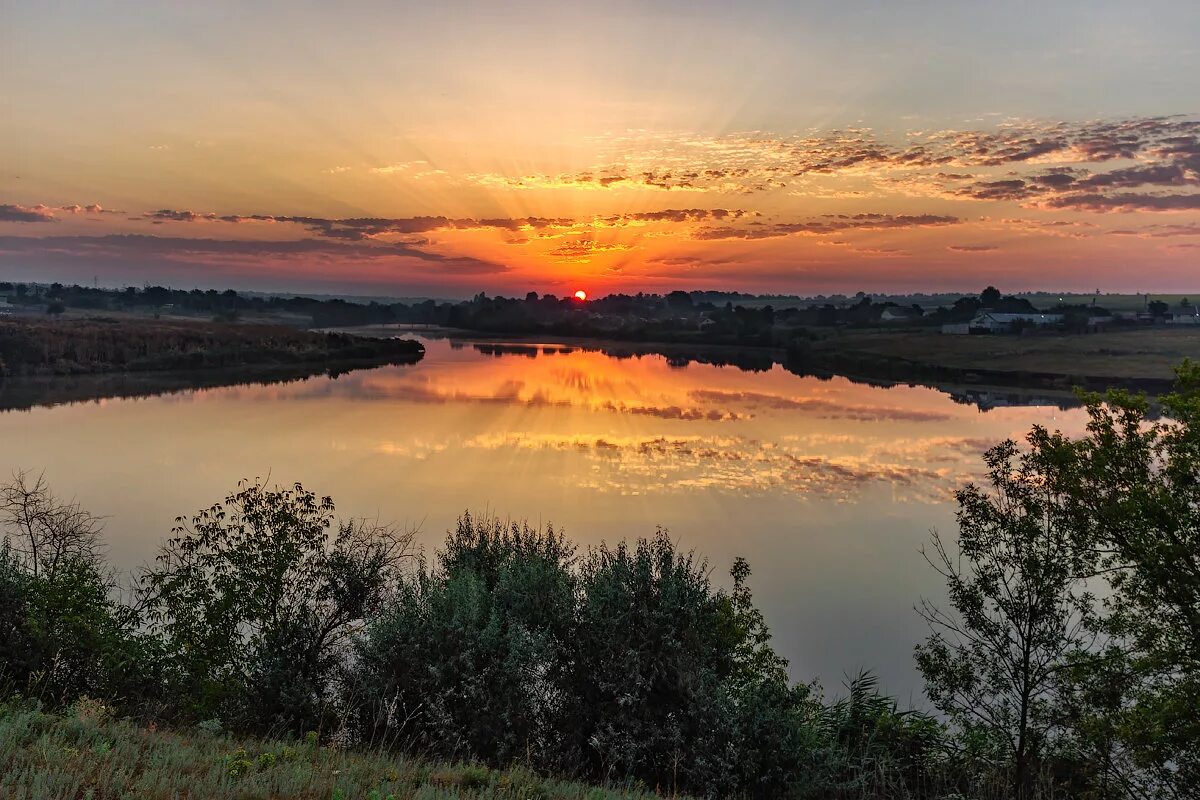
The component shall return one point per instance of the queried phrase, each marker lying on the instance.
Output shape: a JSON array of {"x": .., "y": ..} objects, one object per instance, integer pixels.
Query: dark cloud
[
  {"x": 1170, "y": 174},
  {"x": 14, "y": 213},
  {"x": 831, "y": 223},
  {"x": 129, "y": 246},
  {"x": 361, "y": 228},
  {"x": 1125, "y": 201},
  {"x": 1161, "y": 231}
]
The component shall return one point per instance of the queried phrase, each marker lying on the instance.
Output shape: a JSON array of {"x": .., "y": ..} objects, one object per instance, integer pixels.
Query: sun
[{"x": 581, "y": 295}]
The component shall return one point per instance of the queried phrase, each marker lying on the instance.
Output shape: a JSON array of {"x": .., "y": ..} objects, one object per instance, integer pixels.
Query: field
[
  {"x": 87, "y": 755},
  {"x": 101, "y": 344},
  {"x": 1142, "y": 358}
]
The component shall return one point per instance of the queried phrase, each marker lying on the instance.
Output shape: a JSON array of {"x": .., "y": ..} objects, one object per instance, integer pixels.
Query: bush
[{"x": 256, "y": 600}]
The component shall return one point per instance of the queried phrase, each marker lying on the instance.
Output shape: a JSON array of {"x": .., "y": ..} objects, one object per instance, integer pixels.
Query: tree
[
  {"x": 44, "y": 531},
  {"x": 469, "y": 659},
  {"x": 1157, "y": 308},
  {"x": 55, "y": 308},
  {"x": 257, "y": 597},
  {"x": 989, "y": 297},
  {"x": 65, "y": 636},
  {"x": 679, "y": 300},
  {"x": 1134, "y": 490},
  {"x": 995, "y": 664}
]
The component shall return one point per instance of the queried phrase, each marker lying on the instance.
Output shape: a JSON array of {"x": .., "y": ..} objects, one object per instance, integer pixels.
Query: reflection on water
[{"x": 828, "y": 487}]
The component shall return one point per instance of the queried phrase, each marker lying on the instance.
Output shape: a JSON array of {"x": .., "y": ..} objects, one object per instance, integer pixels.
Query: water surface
[{"x": 827, "y": 487}]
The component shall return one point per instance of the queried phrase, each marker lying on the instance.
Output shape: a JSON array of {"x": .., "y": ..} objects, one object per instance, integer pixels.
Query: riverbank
[
  {"x": 1142, "y": 359},
  {"x": 96, "y": 345}
]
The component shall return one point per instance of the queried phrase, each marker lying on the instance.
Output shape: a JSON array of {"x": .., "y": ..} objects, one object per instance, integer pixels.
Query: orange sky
[{"x": 776, "y": 147}]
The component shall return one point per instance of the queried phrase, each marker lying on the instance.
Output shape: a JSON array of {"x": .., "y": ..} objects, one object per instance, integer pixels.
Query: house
[
  {"x": 996, "y": 322},
  {"x": 901, "y": 314},
  {"x": 1175, "y": 319}
]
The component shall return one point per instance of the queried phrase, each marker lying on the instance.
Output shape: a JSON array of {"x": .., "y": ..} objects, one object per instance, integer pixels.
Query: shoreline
[{"x": 937, "y": 361}]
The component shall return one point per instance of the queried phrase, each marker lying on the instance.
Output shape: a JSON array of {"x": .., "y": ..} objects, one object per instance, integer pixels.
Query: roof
[{"x": 1009, "y": 318}]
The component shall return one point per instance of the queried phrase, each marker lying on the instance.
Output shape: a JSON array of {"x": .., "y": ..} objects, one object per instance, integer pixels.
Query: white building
[
  {"x": 1184, "y": 319},
  {"x": 900, "y": 314},
  {"x": 995, "y": 322}
]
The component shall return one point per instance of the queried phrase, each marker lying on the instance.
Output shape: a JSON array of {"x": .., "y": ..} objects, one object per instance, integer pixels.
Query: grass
[
  {"x": 44, "y": 346},
  {"x": 88, "y": 754},
  {"x": 1140, "y": 354}
]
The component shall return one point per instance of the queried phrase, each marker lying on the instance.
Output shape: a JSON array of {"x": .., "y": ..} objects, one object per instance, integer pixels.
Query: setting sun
[{"x": 581, "y": 295}]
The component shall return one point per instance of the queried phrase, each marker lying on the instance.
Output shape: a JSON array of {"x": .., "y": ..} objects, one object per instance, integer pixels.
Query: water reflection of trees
[
  {"x": 24, "y": 393},
  {"x": 19, "y": 394},
  {"x": 762, "y": 360}
]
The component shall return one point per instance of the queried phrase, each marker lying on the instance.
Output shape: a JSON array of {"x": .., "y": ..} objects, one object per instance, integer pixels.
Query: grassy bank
[
  {"x": 30, "y": 347},
  {"x": 1142, "y": 358},
  {"x": 86, "y": 754}
]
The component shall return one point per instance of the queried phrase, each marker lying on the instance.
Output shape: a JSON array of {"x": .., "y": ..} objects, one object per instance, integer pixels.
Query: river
[{"x": 827, "y": 487}]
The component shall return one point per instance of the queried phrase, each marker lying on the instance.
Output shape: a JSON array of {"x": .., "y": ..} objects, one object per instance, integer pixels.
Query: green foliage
[
  {"x": 64, "y": 634},
  {"x": 624, "y": 665},
  {"x": 469, "y": 658},
  {"x": 256, "y": 599},
  {"x": 1098, "y": 693},
  {"x": 1134, "y": 489},
  {"x": 994, "y": 664}
]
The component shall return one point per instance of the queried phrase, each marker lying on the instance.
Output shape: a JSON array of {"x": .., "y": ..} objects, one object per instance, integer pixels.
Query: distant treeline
[
  {"x": 676, "y": 316},
  {"x": 1065, "y": 662},
  {"x": 39, "y": 346}
]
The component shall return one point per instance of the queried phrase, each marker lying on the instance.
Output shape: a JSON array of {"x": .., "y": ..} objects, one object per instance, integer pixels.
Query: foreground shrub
[{"x": 256, "y": 600}]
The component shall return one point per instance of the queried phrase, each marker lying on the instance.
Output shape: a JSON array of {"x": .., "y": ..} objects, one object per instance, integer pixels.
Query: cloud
[
  {"x": 579, "y": 251},
  {"x": 1161, "y": 231},
  {"x": 125, "y": 246},
  {"x": 733, "y": 464},
  {"x": 1125, "y": 201},
  {"x": 16, "y": 213},
  {"x": 830, "y": 223},
  {"x": 1017, "y": 161},
  {"x": 821, "y": 407},
  {"x": 972, "y": 248}
]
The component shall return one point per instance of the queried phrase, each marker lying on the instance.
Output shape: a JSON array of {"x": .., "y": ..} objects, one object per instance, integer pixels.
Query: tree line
[
  {"x": 1064, "y": 663},
  {"x": 77, "y": 346}
]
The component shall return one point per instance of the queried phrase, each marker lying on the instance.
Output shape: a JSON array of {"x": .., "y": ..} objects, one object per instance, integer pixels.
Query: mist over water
[{"x": 827, "y": 487}]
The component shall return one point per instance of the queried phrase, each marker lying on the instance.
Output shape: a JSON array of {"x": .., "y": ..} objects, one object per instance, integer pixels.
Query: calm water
[{"x": 827, "y": 487}]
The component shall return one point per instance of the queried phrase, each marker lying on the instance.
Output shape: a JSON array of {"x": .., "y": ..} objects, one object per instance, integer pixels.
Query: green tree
[
  {"x": 257, "y": 598},
  {"x": 66, "y": 635},
  {"x": 995, "y": 663},
  {"x": 1134, "y": 489},
  {"x": 469, "y": 658},
  {"x": 989, "y": 297}
]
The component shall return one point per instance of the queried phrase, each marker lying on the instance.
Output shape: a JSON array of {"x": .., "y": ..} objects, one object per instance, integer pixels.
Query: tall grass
[{"x": 88, "y": 754}]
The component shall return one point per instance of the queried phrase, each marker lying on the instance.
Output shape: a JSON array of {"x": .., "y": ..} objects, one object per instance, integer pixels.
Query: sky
[{"x": 444, "y": 149}]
